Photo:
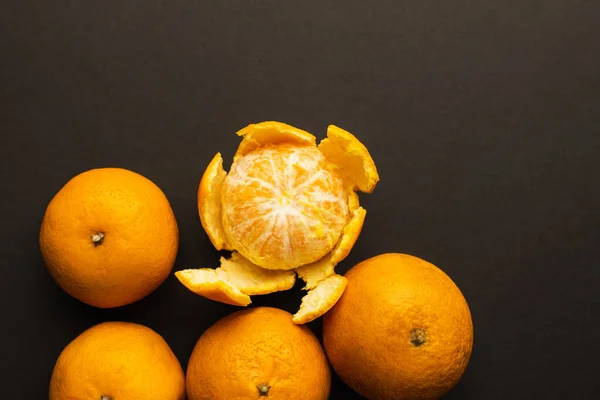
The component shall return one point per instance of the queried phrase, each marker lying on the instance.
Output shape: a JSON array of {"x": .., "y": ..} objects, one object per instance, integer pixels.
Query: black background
[{"x": 483, "y": 118}]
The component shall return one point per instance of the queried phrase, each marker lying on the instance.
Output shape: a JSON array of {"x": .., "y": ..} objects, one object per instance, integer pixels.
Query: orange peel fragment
[
  {"x": 271, "y": 133},
  {"x": 320, "y": 299},
  {"x": 355, "y": 164},
  {"x": 353, "y": 201},
  {"x": 209, "y": 202},
  {"x": 235, "y": 280},
  {"x": 206, "y": 283},
  {"x": 314, "y": 273}
]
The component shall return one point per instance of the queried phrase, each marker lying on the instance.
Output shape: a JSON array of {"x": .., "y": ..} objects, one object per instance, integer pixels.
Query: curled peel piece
[
  {"x": 349, "y": 236},
  {"x": 254, "y": 280},
  {"x": 323, "y": 285},
  {"x": 314, "y": 273},
  {"x": 271, "y": 133},
  {"x": 209, "y": 202},
  {"x": 320, "y": 299},
  {"x": 235, "y": 280},
  {"x": 207, "y": 283},
  {"x": 355, "y": 164}
]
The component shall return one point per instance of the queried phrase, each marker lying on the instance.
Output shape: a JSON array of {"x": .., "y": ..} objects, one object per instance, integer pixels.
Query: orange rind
[
  {"x": 235, "y": 280},
  {"x": 271, "y": 133},
  {"x": 353, "y": 201},
  {"x": 355, "y": 164},
  {"x": 320, "y": 299},
  {"x": 314, "y": 273},
  {"x": 209, "y": 202},
  {"x": 207, "y": 283},
  {"x": 286, "y": 207}
]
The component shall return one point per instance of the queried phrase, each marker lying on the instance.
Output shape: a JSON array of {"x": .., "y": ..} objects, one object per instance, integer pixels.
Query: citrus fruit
[
  {"x": 258, "y": 353},
  {"x": 109, "y": 237},
  {"x": 285, "y": 205},
  {"x": 117, "y": 361},
  {"x": 401, "y": 330}
]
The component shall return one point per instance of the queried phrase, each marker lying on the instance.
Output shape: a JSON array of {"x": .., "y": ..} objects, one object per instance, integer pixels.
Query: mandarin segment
[
  {"x": 283, "y": 206},
  {"x": 271, "y": 133},
  {"x": 209, "y": 202},
  {"x": 355, "y": 164}
]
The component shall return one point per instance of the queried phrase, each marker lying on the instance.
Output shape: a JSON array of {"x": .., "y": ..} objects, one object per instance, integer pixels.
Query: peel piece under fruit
[
  {"x": 320, "y": 299},
  {"x": 355, "y": 164},
  {"x": 235, "y": 280},
  {"x": 315, "y": 272},
  {"x": 271, "y": 133},
  {"x": 209, "y": 202}
]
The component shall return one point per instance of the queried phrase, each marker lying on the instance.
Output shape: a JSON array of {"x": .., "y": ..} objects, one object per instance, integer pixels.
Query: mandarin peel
[
  {"x": 320, "y": 299},
  {"x": 356, "y": 166},
  {"x": 235, "y": 280},
  {"x": 209, "y": 209},
  {"x": 286, "y": 204}
]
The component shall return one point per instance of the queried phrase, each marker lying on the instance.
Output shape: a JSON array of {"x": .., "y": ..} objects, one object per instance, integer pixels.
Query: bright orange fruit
[
  {"x": 109, "y": 237},
  {"x": 117, "y": 361},
  {"x": 286, "y": 204},
  {"x": 401, "y": 330},
  {"x": 258, "y": 353},
  {"x": 283, "y": 206}
]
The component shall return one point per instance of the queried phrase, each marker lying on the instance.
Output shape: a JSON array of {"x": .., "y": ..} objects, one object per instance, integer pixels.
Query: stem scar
[
  {"x": 98, "y": 239},
  {"x": 263, "y": 390}
]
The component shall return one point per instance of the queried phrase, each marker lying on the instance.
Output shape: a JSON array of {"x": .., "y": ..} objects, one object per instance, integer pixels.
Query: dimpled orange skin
[
  {"x": 258, "y": 349},
  {"x": 117, "y": 361},
  {"x": 401, "y": 330},
  {"x": 138, "y": 243},
  {"x": 283, "y": 206}
]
